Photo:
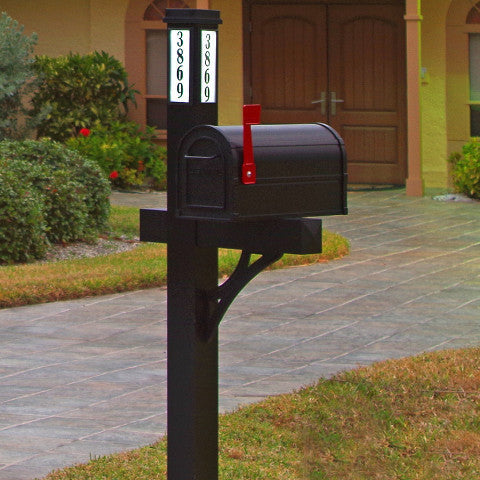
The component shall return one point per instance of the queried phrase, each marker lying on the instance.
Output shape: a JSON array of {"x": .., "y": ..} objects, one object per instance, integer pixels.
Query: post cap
[{"x": 192, "y": 16}]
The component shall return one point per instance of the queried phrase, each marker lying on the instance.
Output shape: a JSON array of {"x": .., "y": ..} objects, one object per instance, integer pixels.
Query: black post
[{"x": 192, "y": 270}]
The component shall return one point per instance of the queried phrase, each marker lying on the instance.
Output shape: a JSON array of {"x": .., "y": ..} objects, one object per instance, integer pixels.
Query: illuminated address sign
[
  {"x": 179, "y": 66},
  {"x": 208, "y": 55}
]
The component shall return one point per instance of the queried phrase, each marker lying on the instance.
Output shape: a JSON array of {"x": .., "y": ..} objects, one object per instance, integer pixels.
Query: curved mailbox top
[
  {"x": 301, "y": 171},
  {"x": 281, "y": 135}
]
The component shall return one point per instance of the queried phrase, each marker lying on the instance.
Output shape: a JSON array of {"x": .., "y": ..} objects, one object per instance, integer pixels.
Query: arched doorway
[{"x": 463, "y": 75}]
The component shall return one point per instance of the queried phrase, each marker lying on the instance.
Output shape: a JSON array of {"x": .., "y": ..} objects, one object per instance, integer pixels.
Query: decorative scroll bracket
[{"x": 212, "y": 306}]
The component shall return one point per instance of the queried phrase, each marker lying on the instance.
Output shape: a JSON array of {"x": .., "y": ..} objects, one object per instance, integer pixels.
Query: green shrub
[
  {"x": 16, "y": 80},
  {"x": 73, "y": 191},
  {"x": 127, "y": 155},
  {"x": 22, "y": 223},
  {"x": 80, "y": 91},
  {"x": 466, "y": 169}
]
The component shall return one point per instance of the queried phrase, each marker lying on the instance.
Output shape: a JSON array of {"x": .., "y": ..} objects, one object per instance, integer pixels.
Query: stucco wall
[
  {"x": 230, "y": 99},
  {"x": 108, "y": 26},
  {"x": 67, "y": 25},
  {"x": 434, "y": 124},
  {"x": 61, "y": 25}
]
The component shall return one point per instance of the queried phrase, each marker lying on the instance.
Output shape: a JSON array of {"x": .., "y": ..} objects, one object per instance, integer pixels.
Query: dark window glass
[
  {"x": 475, "y": 120},
  {"x": 157, "y": 113}
]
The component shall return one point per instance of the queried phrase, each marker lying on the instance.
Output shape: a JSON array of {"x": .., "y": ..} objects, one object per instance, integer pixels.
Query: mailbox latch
[{"x": 251, "y": 116}]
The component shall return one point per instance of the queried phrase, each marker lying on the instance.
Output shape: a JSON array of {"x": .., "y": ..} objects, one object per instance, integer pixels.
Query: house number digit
[
  {"x": 179, "y": 66},
  {"x": 209, "y": 67}
]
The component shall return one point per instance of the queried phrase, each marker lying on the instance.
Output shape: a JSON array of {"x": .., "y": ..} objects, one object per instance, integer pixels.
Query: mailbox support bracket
[{"x": 214, "y": 304}]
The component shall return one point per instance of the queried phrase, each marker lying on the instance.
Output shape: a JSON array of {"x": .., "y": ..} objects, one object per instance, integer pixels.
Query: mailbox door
[{"x": 202, "y": 173}]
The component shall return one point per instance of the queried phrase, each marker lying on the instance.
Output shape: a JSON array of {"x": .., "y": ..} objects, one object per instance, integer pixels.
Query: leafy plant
[
  {"x": 69, "y": 193},
  {"x": 22, "y": 221},
  {"x": 466, "y": 169},
  {"x": 16, "y": 80},
  {"x": 126, "y": 154},
  {"x": 80, "y": 91}
]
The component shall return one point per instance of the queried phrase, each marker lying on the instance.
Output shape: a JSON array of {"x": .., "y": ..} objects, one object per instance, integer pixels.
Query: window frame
[
  {"x": 146, "y": 26},
  {"x": 136, "y": 56}
]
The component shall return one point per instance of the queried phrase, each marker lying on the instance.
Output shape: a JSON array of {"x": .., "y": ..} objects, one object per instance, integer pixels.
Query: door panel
[
  {"x": 289, "y": 62},
  {"x": 366, "y": 70},
  {"x": 352, "y": 56}
]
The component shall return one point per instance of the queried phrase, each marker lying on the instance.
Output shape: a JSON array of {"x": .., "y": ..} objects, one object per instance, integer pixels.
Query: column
[{"x": 413, "y": 19}]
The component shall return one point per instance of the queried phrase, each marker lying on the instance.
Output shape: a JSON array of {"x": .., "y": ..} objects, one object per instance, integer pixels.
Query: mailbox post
[
  {"x": 192, "y": 362},
  {"x": 247, "y": 187}
]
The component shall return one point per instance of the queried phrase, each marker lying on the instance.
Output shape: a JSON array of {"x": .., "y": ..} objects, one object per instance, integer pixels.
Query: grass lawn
[
  {"x": 143, "y": 267},
  {"x": 409, "y": 419}
]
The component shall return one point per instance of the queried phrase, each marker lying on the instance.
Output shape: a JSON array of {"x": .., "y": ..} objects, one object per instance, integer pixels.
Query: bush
[
  {"x": 126, "y": 154},
  {"x": 16, "y": 79},
  {"x": 80, "y": 91},
  {"x": 466, "y": 169},
  {"x": 22, "y": 222},
  {"x": 62, "y": 165},
  {"x": 72, "y": 192}
]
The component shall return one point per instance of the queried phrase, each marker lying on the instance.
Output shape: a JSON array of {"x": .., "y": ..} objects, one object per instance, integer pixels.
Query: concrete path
[{"x": 86, "y": 378}]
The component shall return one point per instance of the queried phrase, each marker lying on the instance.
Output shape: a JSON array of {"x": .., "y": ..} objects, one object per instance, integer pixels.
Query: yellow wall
[
  {"x": 69, "y": 25},
  {"x": 108, "y": 26},
  {"x": 434, "y": 124},
  {"x": 230, "y": 88},
  {"x": 61, "y": 25}
]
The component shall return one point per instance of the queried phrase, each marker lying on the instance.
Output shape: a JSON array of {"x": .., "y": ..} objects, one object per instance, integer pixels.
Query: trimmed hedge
[
  {"x": 68, "y": 197},
  {"x": 466, "y": 169},
  {"x": 22, "y": 221}
]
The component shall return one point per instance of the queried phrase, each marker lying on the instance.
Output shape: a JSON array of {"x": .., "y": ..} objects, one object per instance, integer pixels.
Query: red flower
[
  {"x": 114, "y": 175},
  {"x": 85, "y": 132}
]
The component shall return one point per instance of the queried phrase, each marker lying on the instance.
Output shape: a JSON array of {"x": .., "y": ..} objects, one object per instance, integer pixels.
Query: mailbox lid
[{"x": 285, "y": 152}]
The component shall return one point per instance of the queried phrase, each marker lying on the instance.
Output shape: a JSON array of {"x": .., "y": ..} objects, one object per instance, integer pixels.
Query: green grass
[
  {"x": 143, "y": 267},
  {"x": 408, "y": 419}
]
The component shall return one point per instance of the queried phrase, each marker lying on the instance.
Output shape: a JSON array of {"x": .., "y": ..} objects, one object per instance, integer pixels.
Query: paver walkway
[{"x": 86, "y": 378}]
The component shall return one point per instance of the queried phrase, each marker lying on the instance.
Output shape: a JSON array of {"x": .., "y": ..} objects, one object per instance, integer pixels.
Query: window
[
  {"x": 156, "y": 94},
  {"x": 473, "y": 18},
  {"x": 156, "y": 61},
  {"x": 146, "y": 59},
  {"x": 474, "y": 56},
  {"x": 474, "y": 15}
]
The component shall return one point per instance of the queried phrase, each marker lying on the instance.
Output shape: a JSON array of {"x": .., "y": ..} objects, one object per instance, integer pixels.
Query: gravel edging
[{"x": 101, "y": 247}]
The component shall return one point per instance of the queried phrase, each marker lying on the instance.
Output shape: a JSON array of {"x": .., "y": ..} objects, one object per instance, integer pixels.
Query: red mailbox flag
[{"x": 251, "y": 116}]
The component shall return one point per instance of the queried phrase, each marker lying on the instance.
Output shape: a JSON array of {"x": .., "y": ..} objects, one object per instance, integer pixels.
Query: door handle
[
  {"x": 323, "y": 101},
  {"x": 334, "y": 100}
]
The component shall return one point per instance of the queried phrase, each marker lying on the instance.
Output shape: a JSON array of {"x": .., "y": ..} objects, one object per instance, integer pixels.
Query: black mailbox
[{"x": 300, "y": 171}]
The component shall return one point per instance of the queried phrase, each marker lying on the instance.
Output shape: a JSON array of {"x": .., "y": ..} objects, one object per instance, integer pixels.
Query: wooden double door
[{"x": 341, "y": 64}]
